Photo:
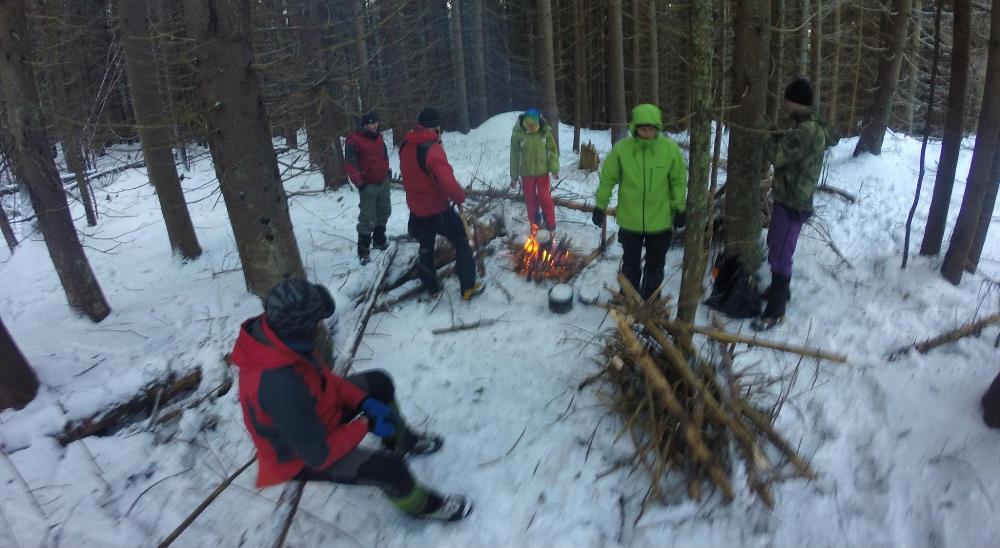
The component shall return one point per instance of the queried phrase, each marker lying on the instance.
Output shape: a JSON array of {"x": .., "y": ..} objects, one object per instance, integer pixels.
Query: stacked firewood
[{"x": 689, "y": 424}]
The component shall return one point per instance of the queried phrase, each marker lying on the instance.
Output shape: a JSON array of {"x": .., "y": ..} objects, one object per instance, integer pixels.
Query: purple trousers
[{"x": 782, "y": 235}]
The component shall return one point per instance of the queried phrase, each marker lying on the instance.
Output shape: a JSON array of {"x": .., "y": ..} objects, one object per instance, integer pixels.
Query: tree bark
[
  {"x": 361, "y": 55},
  {"x": 944, "y": 181},
  {"x": 580, "y": 72},
  {"x": 985, "y": 216},
  {"x": 18, "y": 382},
  {"x": 153, "y": 124},
  {"x": 654, "y": 54},
  {"x": 33, "y": 161},
  {"x": 877, "y": 119},
  {"x": 979, "y": 186},
  {"x": 240, "y": 142},
  {"x": 616, "y": 108},
  {"x": 835, "y": 64},
  {"x": 752, "y": 24},
  {"x": 548, "y": 68},
  {"x": 8, "y": 231},
  {"x": 816, "y": 52},
  {"x": 458, "y": 66},
  {"x": 701, "y": 132},
  {"x": 777, "y": 76},
  {"x": 480, "y": 110}
]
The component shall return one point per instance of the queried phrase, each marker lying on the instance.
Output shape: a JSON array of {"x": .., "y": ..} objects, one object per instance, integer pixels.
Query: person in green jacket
[
  {"x": 651, "y": 176},
  {"x": 797, "y": 157},
  {"x": 533, "y": 155}
]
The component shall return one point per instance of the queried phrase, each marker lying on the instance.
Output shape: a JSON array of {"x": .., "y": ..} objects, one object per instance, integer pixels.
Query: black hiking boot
[
  {"x": 364, "y": 248},
  {"x": 446, "y": 508},
  {"x": 379, "y": 241},
  {"x": 414, "y": 444},
  {"x": 774, "y": 312}
]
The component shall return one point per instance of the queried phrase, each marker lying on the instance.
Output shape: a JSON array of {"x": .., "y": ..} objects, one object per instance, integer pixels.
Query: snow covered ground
[{"x": 903, "y": 456}]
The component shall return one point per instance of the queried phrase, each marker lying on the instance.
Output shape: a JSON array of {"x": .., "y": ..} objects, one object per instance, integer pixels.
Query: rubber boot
[
  {"x": 774, "y": 313},
  {"x": 364, "y": 247}
]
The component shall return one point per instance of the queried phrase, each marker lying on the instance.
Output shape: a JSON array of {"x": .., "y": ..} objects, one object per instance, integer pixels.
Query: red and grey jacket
[
  {"x": 292, "y": 408},
  {"x": 367, "y": 158},
  {"x": 427, "y": 176}
]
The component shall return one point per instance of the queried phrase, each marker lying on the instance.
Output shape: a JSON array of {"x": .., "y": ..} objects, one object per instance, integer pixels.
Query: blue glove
[{"x": 379, "y": 417}]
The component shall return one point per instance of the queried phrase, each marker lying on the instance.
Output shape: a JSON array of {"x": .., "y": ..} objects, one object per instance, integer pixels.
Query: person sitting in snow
[
  {"x": 797, "y": 157},
  {"x": 367, "y": 165},
  {"x": 649, "y": 170},
  {"x": 307, "y": 423},
  {"x": 431, "y": 189},
  {"x": 533, "y": 156}
]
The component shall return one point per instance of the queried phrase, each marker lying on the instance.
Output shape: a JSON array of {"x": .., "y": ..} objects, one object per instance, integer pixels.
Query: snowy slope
[{"x": 903, "y": 456}]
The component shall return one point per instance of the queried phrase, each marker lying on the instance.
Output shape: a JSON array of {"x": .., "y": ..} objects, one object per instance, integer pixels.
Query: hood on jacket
[
  {"x": 542, "y": 125},
  {"x": 258, "y": 348},
  {"x": 645, "y": 115},
  {"x": 420, "y": 134}
]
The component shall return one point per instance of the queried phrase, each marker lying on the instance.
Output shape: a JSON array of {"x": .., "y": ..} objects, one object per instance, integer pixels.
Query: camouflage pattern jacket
[{"x": 797, "y": 157}]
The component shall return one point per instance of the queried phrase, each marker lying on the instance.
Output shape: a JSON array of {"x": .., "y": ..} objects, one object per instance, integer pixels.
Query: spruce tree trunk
[
  {"x": 985, "y": 216},
  {"x": 18, "y": 383},
  {"x": 979, "y": 186},
  {"x": 33, "y": 161},
  {"x": 752, "y": 24},
  {"x": 835, "y": 67},
  {"x": 8, "y": 231},
  {"x": 72, "y": 142},
  {"x": 877, "y": 118},
  {"x": 580, "y": 72},
  {"x": 944, "y": 181},
  {"x": 361, "y": 55},
  {"x": 852, "y": 117},
  {"x": 816, "y": 52},
  {"x": 913, "y": 76},
  {"x": 548, "y": 68},
  {"x": 638, "y": 41},
  {"x": 616, "y": 107},
  {"x": 654, "y": 52},
  {"x": 458, "y": 66},
  {"x": 480, "y": 110},
  {"x": 240, "y": 142},
  {"x": 154, "y": 124},
  {"x": 777, "y": 79},
  {"x": 701, "y": 132}
]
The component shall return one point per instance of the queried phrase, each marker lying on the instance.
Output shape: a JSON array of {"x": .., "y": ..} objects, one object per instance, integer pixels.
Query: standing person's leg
[
  {"x": 656, "y": 259},
  {"x": 530, "y": 186},
  {"x": 782, "y": 237},
  {"x": 424, "y": 229},
  {"x": 631, "y": 256},
  {"x": 383, "y": 208},
  {"x": 388, "y": 472},
  {"x": 465, "y": 265},
  {"x": 543, "y": 188},
  {"x": 367, "y": 197}
]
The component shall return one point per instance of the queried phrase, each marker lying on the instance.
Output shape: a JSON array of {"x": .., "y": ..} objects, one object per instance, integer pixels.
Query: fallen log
[
  {"x": 128, "y": 412},
  {"x": 561, "y": 202},
  {"x": 464, "y": 326},
  {"x": 727, "y": 337},
  {"x": 345, "y": 362},
  {"x": 926, "y": 346},
  {"x": 838, "y": 191}
]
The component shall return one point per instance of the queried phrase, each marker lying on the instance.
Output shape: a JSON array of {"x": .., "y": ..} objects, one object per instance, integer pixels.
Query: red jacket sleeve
[
  {"x": 437, "y": 164},
  {"x": 349, "y": 394}
]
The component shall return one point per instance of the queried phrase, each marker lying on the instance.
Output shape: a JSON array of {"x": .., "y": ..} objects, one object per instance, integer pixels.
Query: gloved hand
[
  {"x": 379, "y": 417},
  {"x": 680, "y": 219},
  {"x": 598, "y": 217}
]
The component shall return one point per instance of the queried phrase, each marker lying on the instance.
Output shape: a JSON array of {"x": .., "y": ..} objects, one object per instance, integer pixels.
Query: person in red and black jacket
[
  {"x": 307, "y": 423},
  {"x": 431, "y": 188},
  {"x": 367, "y": 166}
]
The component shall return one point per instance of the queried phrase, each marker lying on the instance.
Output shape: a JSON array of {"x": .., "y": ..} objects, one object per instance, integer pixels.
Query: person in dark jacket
[
  {"x": 367, "y": 166},
  {"x": 797, "y": 157},
  {"x": 307, "y": 423},
  {"x": 431, "y": 189}
]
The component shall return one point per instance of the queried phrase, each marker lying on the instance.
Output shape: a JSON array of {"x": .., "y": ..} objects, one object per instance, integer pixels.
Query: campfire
[{"x": 544, "y": 257}]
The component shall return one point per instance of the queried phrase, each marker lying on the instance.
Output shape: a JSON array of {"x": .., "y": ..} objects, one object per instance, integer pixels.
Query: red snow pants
[{"x": 537, "y": 194}]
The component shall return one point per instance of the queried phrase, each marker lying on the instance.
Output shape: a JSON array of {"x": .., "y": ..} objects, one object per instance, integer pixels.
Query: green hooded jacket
[
  {"x": 650, "y": 174},
  {"x": 797, "y": 157},
  {"x": 532, "y": 154}
]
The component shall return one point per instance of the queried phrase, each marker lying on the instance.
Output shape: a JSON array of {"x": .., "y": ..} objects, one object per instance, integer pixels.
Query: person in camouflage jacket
[{"x": 797, "y": 157}]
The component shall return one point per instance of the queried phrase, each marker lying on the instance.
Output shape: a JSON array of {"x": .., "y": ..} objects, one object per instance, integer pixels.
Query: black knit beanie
[
  {"x": 429, "y": 118},
  {"x": 294, "y": 308},
  {"x": 369, "y": 118},
  {"x": 799, "y": 91}
]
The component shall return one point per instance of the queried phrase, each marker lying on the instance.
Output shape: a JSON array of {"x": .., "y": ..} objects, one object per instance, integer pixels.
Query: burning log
[{"x": 686, "y": 418}]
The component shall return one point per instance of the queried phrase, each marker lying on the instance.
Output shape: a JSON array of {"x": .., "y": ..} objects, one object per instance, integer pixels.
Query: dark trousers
[
  {"x": 645, "y": 278},
  {"x": 448, "y": 224},
  {"x": 364, "y": 466},
  {"x": 783, "y": 236}
]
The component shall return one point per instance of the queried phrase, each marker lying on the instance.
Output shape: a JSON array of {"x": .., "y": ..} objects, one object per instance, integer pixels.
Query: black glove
[
  {"x": 598, "y": 217},
  {"x": 680, "y": 218}
]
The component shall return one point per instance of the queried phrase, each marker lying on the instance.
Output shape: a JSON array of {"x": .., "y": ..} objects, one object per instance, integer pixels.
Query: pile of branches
[{"x": 689, "y": 425}]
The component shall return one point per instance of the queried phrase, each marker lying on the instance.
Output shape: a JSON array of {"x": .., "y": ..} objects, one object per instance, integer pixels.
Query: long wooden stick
[
  {"x": 463, "y": 326},
  {"x": 926, "y": 346},
  {"x": 561, "y": 202},
  {"x": 204, "y": 504},
  {"x": 727, "y": 337}
]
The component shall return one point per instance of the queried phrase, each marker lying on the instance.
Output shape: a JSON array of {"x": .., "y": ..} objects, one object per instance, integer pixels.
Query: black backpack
[{"x": 734, "y": 292}]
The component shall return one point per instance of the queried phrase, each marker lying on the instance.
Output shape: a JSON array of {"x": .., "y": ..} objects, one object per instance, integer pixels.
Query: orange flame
[{"x": 538, "y": 262}]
